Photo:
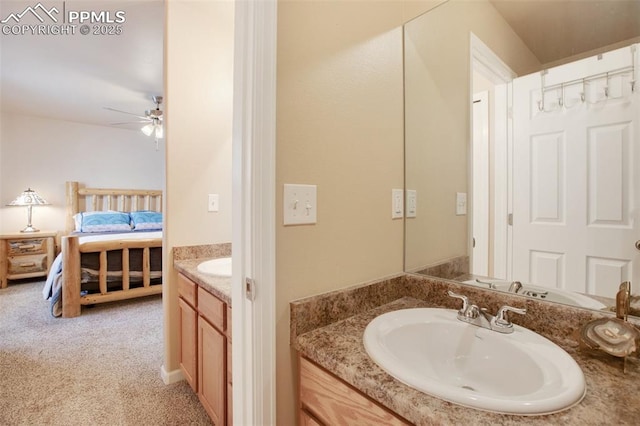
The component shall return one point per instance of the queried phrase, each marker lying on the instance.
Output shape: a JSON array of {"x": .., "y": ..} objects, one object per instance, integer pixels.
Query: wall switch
[
  {"x": 412, "y": 203},
  {"x": 214, "y": 202},
  {"x": 461, "y": 203},
  {"x": 397, "y": 203},
  {"x": 300, "y": 204}
]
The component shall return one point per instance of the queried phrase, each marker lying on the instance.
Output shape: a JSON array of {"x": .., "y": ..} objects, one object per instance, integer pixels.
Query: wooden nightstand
[{"x": 26, "y": 255}]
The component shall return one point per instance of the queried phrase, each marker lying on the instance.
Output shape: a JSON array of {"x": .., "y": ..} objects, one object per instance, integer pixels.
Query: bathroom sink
[
  {"x": 430, "y": 350},
  {"x": 220, "y": 267},
  {"x": 543, "y": 293}
]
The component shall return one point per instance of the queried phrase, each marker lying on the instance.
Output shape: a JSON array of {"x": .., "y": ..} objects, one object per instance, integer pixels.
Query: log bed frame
[{"x": 101, "y": 199}]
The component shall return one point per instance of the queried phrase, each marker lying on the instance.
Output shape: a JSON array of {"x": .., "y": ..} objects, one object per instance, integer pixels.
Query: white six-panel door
[{"x": 576, "y": 168}]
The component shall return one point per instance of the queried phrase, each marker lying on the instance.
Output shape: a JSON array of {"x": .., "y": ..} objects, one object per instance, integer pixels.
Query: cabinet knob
[{"x": 638, "y": 245}]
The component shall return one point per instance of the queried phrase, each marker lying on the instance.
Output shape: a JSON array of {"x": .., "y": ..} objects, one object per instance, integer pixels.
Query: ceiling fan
[{"x": 152, "y": 118}]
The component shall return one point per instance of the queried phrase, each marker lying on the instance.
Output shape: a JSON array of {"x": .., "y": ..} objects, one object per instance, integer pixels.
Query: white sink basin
[
  {"x": 430, "y": 350},
  {"x": 220, "y": 267},
  {"x": 544, "y": 293}
]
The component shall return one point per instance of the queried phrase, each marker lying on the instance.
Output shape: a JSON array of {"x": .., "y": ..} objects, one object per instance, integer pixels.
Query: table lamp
[{"x": 29, "y": 198}]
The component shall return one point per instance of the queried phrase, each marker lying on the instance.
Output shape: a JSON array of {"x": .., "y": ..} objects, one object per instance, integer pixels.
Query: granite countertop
[
  {"x": 218, "y": 286},
  {"x": 611, "y": 398}
]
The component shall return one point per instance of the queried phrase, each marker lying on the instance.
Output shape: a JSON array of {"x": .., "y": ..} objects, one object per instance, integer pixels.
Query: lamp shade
[{"x": 29, "y": 198}]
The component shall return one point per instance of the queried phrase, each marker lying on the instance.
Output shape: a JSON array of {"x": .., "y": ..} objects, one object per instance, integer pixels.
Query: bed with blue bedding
[{"x": 112, "y": 250}]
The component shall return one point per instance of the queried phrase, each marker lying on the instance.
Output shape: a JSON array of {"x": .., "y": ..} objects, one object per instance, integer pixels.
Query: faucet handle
[
  {"x": 465, "y": 300},
  {"x": 501, "y": 320}
]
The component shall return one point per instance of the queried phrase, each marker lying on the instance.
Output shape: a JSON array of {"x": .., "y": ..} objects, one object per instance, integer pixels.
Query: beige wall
[
  {"x": 44, "y": 153},
  {"x": 437, "y": 118},
  {"x": 340, "y": 127},
  {"x": 199, "y": 92}
]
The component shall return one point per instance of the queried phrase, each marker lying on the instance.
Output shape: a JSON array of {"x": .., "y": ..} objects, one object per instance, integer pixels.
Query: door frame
[
  {"x": 484, "y": 61},
  {"x": 480, "y": 164},
  {"x": 253, "y": 223}
]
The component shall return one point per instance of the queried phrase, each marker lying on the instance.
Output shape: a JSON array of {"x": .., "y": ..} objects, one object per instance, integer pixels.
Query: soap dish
[{"x": 611, "y": 335}]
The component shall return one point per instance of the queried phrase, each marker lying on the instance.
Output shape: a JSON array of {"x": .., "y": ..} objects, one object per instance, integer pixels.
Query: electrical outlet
[{"x": 214, "y": 202}]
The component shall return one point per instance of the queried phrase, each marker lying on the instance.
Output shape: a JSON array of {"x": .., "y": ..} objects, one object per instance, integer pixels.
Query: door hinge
[
  {"x": 250, "y": 289},
  {"x": 510, "y": 219}
]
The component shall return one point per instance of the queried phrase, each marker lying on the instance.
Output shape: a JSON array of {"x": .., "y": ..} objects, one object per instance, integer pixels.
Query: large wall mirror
[{"x": 522, "y": 151}]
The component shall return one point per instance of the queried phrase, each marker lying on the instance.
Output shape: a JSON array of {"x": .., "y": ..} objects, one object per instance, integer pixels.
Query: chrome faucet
[
  {"x": 474, "y": 315},
  {"x": 515, "y": 287}
]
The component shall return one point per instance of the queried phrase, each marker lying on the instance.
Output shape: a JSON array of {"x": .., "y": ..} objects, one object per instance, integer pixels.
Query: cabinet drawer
[
  {"x": 212, "y": 309},
  {"x": 27, "y": 246},
  {"x": 27, "y": 264},
  {"x": 187, "y": 289},
  {"x": 333, "y": 402}
]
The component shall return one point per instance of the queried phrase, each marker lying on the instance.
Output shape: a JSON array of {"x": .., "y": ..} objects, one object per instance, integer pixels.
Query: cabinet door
[
  {"x": 188, "y": 342},
  {"x": 212, "y": 380}
]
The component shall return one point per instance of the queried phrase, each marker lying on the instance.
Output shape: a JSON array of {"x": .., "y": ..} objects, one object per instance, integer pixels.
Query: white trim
[
  {"x": 480, "y": 193},
  {"x": 502, "y": 180},
  {"x": 169, "y": 377},
  {"x": 253, "y": 225},
  {"x": 487, "y": 63}
]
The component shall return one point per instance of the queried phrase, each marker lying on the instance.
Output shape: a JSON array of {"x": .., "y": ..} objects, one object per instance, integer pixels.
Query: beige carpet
[{"x": 102, "y": 368}]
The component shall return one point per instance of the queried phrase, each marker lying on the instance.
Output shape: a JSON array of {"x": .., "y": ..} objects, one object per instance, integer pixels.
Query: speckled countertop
[
  {"x": 187, "y": 259},
  {"x": 328, "y": 330}
]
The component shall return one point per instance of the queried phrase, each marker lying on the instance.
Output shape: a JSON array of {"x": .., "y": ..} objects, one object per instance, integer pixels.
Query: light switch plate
[
  {"x": 300, "y": 204},
  {"x": 214, "y": 202},
  {"x": 412, "y": 203},
  {"x": 397, "y": 203},
  {"x": 461, "y": 203}
]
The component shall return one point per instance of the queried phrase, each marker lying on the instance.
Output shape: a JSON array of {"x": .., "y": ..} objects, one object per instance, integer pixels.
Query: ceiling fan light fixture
[
  {"x": 159, "y": 131},
  {"x": 148, "y": 129}
]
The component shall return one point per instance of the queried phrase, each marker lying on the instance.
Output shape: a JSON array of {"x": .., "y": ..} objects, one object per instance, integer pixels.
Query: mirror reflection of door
[{"x": 575, "y": 197}]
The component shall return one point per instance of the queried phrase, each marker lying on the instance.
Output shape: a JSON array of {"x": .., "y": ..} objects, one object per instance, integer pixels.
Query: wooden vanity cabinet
[
  {"x": 204, "y": 346},
  {"x": 327, "y": 400},
  {"x": 188, "y": 343}
]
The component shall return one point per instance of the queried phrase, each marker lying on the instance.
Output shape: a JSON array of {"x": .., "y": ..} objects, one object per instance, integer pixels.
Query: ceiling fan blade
[
  {"x": 125, "y": 112},
  {"x": 130, "y": 122}
]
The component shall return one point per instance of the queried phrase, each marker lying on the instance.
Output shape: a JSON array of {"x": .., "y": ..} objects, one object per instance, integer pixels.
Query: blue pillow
[
  {"x": 145, "y": 220},
  {"x": 99, "y": 221}
]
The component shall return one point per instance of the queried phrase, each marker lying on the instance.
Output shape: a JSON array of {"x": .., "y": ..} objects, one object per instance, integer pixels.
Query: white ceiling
[{"x": 73, "y": 77}]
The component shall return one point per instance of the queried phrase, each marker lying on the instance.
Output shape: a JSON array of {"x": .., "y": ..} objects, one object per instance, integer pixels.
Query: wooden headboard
[{"x": 102, "y": 199}]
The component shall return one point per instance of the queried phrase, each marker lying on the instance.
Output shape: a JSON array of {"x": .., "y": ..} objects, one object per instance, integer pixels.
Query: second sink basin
[
  {"x": 430, "y": 350},
  {"x": 220, "y": 267}
]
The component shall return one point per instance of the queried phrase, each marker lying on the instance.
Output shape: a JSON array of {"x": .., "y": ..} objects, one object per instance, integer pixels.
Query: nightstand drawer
[
  {"x": 28, "y": 264},
  {"x": 27, "y": 246}
]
